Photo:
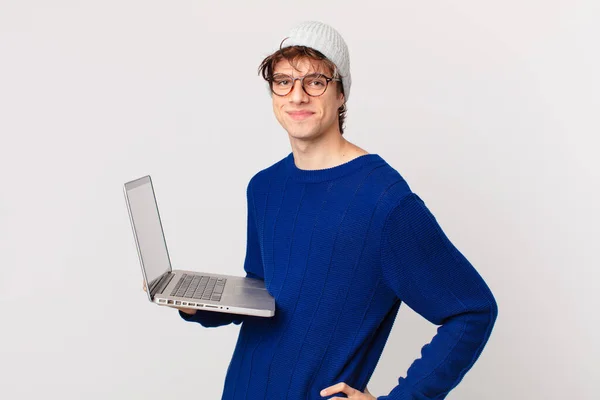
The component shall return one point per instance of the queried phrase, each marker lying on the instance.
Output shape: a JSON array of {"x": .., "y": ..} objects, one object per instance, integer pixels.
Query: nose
[{"x": 298, "y": 95}]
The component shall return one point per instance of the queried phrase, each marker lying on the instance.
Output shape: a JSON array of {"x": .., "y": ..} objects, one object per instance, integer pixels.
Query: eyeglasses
[{"x": 313, "y": 84}]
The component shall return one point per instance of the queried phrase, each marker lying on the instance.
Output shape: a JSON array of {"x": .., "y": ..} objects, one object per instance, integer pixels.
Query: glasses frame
[{"x": 301, "y": 79}]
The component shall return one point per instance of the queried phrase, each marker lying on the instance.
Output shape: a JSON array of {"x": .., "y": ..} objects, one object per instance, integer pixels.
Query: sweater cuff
[{"x": 186, "y": 316}]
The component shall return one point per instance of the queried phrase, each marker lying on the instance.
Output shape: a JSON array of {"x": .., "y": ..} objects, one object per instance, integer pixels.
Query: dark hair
[{"x": 295, "y": 53}]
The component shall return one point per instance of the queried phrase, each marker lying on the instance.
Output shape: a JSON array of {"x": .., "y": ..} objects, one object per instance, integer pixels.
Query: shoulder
[{"x": 393, "y": 187}]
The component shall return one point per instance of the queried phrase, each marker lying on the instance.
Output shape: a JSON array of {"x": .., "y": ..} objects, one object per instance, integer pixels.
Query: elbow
[
  {"x": 481, "y": 315},
  {"x": 493, "y": 312},
  {"x": 488, "y": 309},
  {"x": 485, "y": 316},
  {"x": 493, "y": 307}
]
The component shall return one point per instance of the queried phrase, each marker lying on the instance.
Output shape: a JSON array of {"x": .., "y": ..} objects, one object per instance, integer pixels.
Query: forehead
[{"x": 301, "y": 65}]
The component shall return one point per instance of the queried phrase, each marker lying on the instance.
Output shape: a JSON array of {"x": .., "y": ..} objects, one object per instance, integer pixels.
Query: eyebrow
[{"x": 311, "y": 73}]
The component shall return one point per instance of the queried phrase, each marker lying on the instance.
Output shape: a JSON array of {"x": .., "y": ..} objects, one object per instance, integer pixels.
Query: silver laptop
[{"x": 198, "y": 290}]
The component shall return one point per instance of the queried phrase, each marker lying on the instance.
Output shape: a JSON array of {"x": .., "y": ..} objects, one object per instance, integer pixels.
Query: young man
[{"x": 341, "y": 241}]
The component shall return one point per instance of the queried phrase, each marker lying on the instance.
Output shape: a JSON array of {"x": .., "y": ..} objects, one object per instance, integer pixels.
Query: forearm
[{"x": 447, "y": 358}]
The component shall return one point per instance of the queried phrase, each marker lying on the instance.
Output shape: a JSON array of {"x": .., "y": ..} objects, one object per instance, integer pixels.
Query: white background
[{"x": 488, "y": 109}]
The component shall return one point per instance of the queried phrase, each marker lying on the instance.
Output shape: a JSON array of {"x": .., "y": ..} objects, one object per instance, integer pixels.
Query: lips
[{"x": 299, "y": 115}]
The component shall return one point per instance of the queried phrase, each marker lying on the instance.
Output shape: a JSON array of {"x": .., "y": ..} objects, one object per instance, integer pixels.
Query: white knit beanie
[{"x": 328, "y": 41}]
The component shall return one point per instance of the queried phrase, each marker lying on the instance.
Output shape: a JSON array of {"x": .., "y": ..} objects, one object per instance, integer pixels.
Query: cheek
[
  {"x": 276, "y": 108},
  {"x": 330, "y": 112}
]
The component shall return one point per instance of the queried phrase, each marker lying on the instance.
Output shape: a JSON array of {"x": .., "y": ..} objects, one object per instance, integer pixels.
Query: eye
[
  {"x": 281, "y": 80},
  {"x": 316, "y": 80}
]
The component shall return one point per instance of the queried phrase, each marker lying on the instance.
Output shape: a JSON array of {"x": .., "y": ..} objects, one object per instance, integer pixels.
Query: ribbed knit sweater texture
[{"x": 340, "y": 249}]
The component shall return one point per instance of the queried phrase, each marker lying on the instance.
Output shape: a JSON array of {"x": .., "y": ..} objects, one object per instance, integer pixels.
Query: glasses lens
[
  {"x": 281, "y": 84},
  {"x": 315, "y": 84}
]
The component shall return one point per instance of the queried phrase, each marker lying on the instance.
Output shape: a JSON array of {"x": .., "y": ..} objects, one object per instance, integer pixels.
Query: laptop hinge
[{"x": 160, "y": 283}]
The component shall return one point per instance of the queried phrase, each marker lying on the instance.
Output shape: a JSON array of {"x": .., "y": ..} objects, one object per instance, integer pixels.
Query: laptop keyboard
[{"x": 199, "y": 287}]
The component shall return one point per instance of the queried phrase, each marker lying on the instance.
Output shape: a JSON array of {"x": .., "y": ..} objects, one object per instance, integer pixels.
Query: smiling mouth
[{"x": 299, "y": 116}]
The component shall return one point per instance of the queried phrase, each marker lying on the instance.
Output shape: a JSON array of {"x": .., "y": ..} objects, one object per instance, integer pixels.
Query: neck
[{"x": 326, "y": 151}]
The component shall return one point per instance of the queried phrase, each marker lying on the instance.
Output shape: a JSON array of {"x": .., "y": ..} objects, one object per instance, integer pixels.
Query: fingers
[{"x": 341, "y": 387}]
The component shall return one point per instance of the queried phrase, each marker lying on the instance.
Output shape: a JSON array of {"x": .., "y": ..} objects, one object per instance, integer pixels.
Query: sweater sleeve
[
  {"x": 428, "y": 273},
  {"x": 253, "y": 267}
]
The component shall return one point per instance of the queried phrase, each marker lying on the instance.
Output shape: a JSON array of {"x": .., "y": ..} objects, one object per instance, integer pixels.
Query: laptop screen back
[{"x": 147, "y": 228}]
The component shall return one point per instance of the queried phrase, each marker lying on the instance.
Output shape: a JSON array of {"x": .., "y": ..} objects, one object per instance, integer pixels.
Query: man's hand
[
  {"x": 190, "y": 311},
  {"x": 349, "y": 391}
]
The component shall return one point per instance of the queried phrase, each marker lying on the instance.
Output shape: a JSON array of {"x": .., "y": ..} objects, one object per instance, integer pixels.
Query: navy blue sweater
[{"x": 340, "y": 249}]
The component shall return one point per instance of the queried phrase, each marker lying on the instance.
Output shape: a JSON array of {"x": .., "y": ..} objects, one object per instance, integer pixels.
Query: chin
[
  {"x": 298, "y": 129},
  {"x": 302, "y": 133}
]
